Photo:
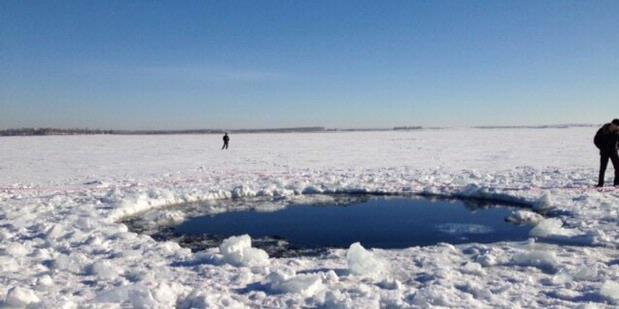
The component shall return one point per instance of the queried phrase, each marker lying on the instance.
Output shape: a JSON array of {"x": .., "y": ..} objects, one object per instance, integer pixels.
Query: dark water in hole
[{"x": 376, "y": 222}]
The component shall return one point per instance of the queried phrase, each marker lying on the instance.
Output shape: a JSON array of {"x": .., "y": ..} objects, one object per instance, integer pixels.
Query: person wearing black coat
[
  {"x": 226, "y": 140},
  {"x": 607, "y": 140}
]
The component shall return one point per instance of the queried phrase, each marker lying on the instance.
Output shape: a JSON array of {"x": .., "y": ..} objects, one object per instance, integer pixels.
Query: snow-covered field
[{"x": 61, "y": 198}]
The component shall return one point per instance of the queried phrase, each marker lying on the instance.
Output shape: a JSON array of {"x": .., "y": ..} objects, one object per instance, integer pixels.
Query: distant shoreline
[{"x": 56, "y": 131}]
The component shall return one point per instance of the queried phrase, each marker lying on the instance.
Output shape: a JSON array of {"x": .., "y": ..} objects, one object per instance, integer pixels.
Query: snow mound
[
  {"x": 472, "y": 268},
  {"x": 55, "y": 231},
  {"x": 20, "y": 297},
  {"x": 434, "y": 296},
  {"x": 543, "y": 203},
  {"x": 549, "y": 227},
  {"x": 364, "y": 263},
  {"x": 544, "y": 260},
  {"x": 201, "y": 299},
  {"x": 610, "y": 291},
  {"x": 553, "y": 230},
  {"x": 586, "y": 272},
  {"x": 286, "y": 281},
  {"x": 15, "y": 249},
  {"x": 141, "y": 296},
  {"x": 73, "y": 263},
  {"x": 44, "y": 282},
  {"x": 8, "y": 264},
  {"x": 103, "y": 269},
  {"x": 237, "y": 250},
  {"x": 486, "y": 259}
]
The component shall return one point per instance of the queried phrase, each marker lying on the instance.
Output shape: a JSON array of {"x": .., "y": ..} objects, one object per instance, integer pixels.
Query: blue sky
[{"x": 344, "y": 64}]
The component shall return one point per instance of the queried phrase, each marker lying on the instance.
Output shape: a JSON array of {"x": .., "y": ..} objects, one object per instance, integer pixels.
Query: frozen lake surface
[
  {"x": 65, "y": 200},
  {"x": 375, "y": 222}
]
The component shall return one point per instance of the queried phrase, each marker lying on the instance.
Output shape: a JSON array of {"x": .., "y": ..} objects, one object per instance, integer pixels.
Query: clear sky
[{"x": 343, "y": 64}]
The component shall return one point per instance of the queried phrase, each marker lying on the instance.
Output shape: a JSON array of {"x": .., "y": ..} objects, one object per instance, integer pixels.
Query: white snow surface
[{"x": 62, "y": 246}]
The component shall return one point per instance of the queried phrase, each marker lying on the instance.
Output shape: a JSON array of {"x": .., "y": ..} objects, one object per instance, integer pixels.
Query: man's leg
[
  {"x": 603, "y": 164},
  {"x": 615, "y": 160}
]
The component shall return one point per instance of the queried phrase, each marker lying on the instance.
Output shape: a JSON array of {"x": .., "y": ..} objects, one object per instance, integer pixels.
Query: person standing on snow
[
  {"x": 226, "y": 140},
  {"x": 607, "y": 140}
]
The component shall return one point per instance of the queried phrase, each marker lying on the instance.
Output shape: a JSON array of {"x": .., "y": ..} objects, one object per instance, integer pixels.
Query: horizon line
[{"x": 33, "y": 131}]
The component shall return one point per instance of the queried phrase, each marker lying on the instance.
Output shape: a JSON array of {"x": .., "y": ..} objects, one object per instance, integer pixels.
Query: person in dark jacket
[
  {"x": 226, "y": 140},
  {"x": 607, "y": 140}
]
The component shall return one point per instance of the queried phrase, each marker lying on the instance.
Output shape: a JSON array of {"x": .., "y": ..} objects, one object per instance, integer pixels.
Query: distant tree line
[
  {"x": 55, "y": 131},
  {"x": 51, "y": 131},
  {"x": 407, "y": 128}
]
